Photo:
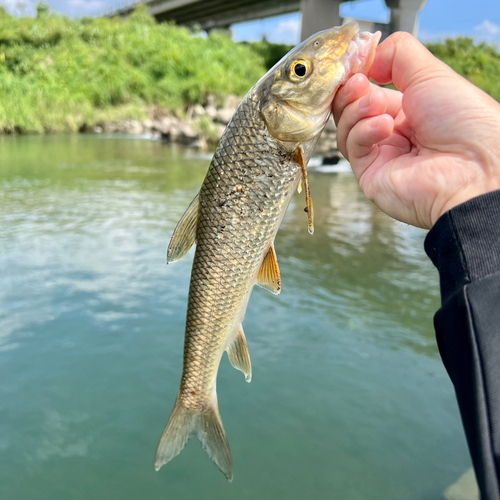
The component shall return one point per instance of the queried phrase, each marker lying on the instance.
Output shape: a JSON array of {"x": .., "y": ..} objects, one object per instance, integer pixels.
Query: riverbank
[
  {"x": 65, "y": 75},
  {"x": 201, "y": 127},
  {"x": 60, "y": 75}
]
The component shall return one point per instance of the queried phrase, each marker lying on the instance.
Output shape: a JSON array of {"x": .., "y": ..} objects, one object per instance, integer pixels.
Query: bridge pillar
[
  {"x": 318, "y": 15},
  {"x": 404, "y": 14}
]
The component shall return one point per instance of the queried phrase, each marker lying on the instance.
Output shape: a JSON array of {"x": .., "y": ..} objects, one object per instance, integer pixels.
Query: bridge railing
[{"x": 120, "y": 7}]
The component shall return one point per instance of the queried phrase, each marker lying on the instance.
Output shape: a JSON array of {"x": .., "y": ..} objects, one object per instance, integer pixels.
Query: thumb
[{"x": 401, "y": 59}]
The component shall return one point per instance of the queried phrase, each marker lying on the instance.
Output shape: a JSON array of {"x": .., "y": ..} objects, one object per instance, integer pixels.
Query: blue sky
[{"x": 439, "y": 18}]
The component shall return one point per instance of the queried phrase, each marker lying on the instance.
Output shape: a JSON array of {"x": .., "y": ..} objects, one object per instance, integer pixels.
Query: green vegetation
[
  {"x": 480, "y": 63},
  {"x": 270, "y": 52},
  {"x": 57, "y": 74}
]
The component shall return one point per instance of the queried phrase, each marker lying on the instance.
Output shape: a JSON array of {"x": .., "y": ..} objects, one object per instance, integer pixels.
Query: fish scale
[
  {"x": 255, "y": 170},
  {"x": 235, "y": 229}
]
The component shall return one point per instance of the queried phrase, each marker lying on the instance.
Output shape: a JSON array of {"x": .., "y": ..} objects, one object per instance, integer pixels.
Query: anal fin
[
  {"x": 269, "y": 274},
  {"x": 184, "y": 233},
  {"x": 239, "y": 356}
]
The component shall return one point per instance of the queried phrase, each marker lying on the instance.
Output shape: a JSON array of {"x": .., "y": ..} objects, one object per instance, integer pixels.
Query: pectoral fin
[
  {"x": 269, "y": 274},
  {"x": 239, "y": 356},
  {"x": 299, "y": 187},
  {"x": 301, "y": 160},
  {"x": 185, "y": 233}
]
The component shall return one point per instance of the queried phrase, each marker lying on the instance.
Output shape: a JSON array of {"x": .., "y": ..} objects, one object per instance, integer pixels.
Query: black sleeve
[{"x": 464, "y": 245}]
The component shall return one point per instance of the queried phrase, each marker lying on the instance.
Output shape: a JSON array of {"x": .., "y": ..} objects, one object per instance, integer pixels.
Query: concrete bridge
[{"x": 316, "y": 14}]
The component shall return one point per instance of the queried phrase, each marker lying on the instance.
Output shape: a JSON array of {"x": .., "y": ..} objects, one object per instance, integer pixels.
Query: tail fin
[{"x": 207, "y": 426}]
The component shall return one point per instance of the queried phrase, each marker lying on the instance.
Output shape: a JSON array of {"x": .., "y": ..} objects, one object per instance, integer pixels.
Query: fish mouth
[{"x": 360, "y": 53}]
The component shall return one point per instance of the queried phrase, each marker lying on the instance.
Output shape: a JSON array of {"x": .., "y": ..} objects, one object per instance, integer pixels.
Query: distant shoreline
[{"x": 201, "y": 128}]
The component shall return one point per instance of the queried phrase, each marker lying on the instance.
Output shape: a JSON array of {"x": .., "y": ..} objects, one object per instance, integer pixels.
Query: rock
[
  {"x": 199, "y": 143},
  {"x": 111, "y": 127},
  {"x": 464, "y": 489},
  {"x": 232, "y": 102},
  {"x": 211, "y": 111},
  {"x": 182, "y": 132},
  {"x": 166, "y": 125},
  {"x": 158, "y": 125},
  {"x": 224, "y": 115},
  {"x": 198, "y": 110},
  {"x": 326, "y": 145},
  {"x": 332, "y": 158},
  {"x": 147, "y": 124},
  {"x": 211, "y": 101},
  {"x": 133, "y": 127},
  {"x": 219, "y": 129},
  {"x": 98, "y": 130}
]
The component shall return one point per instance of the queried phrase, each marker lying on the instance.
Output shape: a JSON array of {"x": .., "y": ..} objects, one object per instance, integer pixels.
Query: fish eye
[
  {"x": 298, "y": 70},
  {"x": 316, "y": 43}
]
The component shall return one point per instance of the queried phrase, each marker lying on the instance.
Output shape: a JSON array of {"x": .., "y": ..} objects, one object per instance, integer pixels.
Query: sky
[{"x": 439, "y": 19}]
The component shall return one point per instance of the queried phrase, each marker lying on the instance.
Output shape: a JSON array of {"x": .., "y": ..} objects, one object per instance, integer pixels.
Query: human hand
[{"x": 419, "y": 152}]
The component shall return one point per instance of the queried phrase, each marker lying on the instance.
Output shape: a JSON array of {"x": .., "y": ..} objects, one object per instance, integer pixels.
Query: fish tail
[{"x": 207, "y": 425}]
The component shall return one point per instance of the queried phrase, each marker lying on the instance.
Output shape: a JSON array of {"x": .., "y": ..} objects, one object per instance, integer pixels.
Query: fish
[{"x": 261, "y": 160}]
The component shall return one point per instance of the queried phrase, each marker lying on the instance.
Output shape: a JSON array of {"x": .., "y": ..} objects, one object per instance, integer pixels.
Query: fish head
[{"x": 303, "y": 84}]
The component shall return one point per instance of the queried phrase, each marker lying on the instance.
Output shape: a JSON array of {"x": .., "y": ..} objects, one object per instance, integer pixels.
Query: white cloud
[
  {"x": 86, "y": 4},
  {"x": 429, "y": 36},
  {"x": 287, "y": 31},
  {"x": 18, "y": 7},
  {"x": 487, "y": 31},
  {"x": 281, "y": 29},
  {"x": 488, "y": 28}
]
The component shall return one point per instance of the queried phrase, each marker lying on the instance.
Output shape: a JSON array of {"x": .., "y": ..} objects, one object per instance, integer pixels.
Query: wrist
[
  {"x": 464, "y": 244},
  {"x": 466, "y": 194}
]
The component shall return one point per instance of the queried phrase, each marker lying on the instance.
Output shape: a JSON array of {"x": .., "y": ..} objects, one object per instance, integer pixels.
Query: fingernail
[
  {"x": 374, "y": 123},
  {"x": 365, "y": 102},
  {"x": 346, "y": 88}
]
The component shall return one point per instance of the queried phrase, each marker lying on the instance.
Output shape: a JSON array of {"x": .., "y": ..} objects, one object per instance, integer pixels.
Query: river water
[{"x": 349, "y": 398}]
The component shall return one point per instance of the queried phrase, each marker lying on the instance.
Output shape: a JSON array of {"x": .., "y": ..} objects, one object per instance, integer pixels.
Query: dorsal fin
[
  {"x": 184, "y": 233},
  {"x": 269, "y": 274},
  {"x": 238, "y": 354}
]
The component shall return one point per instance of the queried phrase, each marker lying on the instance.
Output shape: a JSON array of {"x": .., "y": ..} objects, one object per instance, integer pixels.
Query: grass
[{"x": 59, "y": 74}]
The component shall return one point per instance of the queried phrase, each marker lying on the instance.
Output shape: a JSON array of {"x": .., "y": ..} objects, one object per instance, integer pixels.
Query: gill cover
[{"x": 305, "y": 82}]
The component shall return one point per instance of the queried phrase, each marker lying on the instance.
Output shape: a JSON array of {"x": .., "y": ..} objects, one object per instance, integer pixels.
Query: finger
[
  {"x": 372, "y": 104},
  {"x": 402, "y": 59},
  {"x": 394, "y": 101},
  {"x": 363, "y": 139},
  {"x": 357, "y": 86}
]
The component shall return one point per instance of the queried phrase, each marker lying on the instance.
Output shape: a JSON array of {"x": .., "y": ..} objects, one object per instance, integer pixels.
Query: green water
[{"x": 349, "y": 399}]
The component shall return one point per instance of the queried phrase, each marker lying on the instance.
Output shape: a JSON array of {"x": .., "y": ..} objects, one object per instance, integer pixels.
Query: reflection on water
[{"x": 349, "y": 398}]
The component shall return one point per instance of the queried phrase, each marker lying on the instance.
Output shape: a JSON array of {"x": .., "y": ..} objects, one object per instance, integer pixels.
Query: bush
[
  {"x": 57, "y": 74},
  {"x": 270, "y": 52},
  {"x": 480, "y": 63}
]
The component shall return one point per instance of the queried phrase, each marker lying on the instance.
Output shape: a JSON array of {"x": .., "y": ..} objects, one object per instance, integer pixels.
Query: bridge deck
[{"x": 215, "y": 13}]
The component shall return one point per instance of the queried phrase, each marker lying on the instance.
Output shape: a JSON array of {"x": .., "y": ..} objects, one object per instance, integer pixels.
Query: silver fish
[{"x": 259, "y": 163}]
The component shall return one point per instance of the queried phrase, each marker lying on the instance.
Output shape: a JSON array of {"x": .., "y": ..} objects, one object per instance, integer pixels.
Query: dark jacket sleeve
[{"x": 464, "y": 245}]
